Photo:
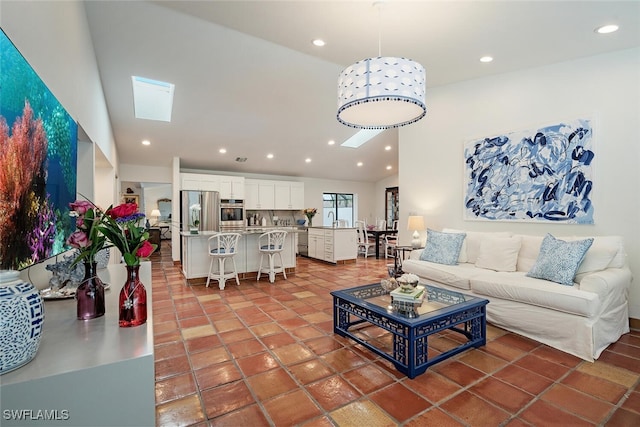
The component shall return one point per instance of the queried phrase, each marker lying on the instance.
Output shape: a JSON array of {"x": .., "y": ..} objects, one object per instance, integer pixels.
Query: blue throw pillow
[
  {"x": 442, "y": 248},
  {"x": 558, "y": 260}
]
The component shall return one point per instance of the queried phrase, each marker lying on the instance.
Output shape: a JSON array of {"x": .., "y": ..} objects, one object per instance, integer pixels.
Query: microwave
[{"x": 231, "y": 214}]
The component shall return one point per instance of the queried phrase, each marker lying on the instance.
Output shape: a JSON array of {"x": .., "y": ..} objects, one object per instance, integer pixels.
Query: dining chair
[{"x": 364, "y": 244}]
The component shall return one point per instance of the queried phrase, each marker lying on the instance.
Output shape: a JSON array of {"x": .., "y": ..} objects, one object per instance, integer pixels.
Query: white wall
[
  {"x": 150, "y": 196},
  {"x": 139, "y": 173},
  {"x": 604, "y": 87}
]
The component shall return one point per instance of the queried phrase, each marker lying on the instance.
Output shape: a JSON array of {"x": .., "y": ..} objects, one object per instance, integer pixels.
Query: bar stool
[
  {"x": 271, "y": 244},
  {"x": 223, "y": 246}
]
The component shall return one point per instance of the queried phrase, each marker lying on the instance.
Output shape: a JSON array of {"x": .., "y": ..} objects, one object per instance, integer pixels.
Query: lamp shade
[
  {"x": 155, "y": 213},
  {"x": 381, "y": 93},
  {"x": 415, "y": 223}
]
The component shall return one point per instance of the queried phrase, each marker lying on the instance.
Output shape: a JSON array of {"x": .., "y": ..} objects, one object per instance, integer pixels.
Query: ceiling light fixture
[
  {"x": 387, "y": 148},
  {"x": 486, "y": 59},
  {"x": 318, "y": 42},
  {"x": 222, "y": 150},
  {"x": 307, "y": 160},
  {"x": 359, "y": 164},
  {"x": 606, "y": 29},
  {"x": 146, "y": 142},
  {"x": 269, "y": 156},
  {"x": 331, "y": 142},
  {"x": 388, "y": 168},
  {"x": 382, "y": 92}
]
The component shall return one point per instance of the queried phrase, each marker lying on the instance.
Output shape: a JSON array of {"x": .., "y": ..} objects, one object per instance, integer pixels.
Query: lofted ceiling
[{"x": 249, "y": 80}]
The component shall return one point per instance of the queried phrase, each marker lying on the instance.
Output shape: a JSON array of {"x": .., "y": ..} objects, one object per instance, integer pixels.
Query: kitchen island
[
  {"x": 195, "y": 252},
  {"x": 333, "y": 244}
]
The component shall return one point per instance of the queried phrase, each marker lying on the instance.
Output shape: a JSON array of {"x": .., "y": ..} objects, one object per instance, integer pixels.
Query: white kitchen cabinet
[
  {"x": 297, "y": 195},
  {"x": 259, "y": 194},
  {"x": 289, "y": 195},
  {"x": 316, "y": 243},
  {"x": 345, "y": 244},
  {"x": 232, "y": 187},
  {"x": 199, "y": 182},
  {"x": 333, "y": 244}
]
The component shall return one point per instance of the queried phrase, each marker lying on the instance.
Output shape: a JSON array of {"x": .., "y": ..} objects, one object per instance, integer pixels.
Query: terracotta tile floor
[{"x": 265, "y": 354}]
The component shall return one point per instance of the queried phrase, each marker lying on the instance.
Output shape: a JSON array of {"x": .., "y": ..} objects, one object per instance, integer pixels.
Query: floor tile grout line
[{"x": 322, "y": 282}]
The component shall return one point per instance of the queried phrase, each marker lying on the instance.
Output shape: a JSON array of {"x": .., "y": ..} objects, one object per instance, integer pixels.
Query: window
[{"x": 341, "y": 205}]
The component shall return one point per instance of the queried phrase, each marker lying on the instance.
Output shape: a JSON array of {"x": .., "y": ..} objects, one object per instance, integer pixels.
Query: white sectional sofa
[{"x": 581, "y": 319}]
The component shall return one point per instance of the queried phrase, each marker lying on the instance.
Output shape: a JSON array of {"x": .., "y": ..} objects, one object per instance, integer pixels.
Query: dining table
[{"x": 377, "y": 232}]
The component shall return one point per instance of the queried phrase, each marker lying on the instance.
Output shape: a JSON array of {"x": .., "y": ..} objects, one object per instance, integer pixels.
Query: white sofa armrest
[{"x": 611, "y": 284}]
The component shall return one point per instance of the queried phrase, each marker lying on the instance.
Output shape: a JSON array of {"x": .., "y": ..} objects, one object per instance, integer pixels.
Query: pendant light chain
[{"x": 379, "y": 6}]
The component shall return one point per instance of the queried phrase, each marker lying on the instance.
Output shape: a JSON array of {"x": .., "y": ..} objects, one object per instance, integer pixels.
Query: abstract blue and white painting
[{"x": 542, "y": 174}]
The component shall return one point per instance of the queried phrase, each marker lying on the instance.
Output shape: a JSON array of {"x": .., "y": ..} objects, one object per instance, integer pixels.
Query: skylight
[
  {"x": 152, "y": 99},
  {"x": 361, "y": 137}
]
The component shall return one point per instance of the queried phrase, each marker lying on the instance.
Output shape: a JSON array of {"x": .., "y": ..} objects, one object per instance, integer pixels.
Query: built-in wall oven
[{"x": 231, "y": 214}]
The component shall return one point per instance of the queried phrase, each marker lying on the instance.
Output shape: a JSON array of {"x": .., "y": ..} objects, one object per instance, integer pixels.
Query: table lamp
[
  {"x": 155, "y": 213},
  {"x": 416, "y": 224}
]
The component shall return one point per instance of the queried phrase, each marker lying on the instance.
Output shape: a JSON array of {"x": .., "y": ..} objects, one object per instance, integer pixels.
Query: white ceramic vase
[{"x": 21, "y": 321}]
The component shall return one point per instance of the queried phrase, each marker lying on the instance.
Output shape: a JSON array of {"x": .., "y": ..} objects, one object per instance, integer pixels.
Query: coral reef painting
[
  {"x": 38, "y": 152},
  {"x": 543, "y": 174}
]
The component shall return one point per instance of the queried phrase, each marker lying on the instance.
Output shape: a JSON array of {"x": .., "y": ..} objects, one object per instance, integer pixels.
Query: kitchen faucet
[{"x": 333, "y": 217}]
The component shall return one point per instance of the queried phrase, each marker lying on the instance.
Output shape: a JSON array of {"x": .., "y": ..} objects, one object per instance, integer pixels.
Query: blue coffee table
[{"x": 446, "y": 324}]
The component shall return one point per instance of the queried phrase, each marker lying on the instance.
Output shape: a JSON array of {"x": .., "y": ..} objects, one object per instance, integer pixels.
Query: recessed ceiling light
[
  {"x": 387, "y": 148},
  {"x": 308, "y": 160},
  {"x": 388, "y": 168},
  {"x": 269, "y": 156},
  {"x": 331, "y": 142},
  {"x": 318, "y": 42},
  {"x": 222, "y": 150},
  {"x": 146, "y": 142},
  {"x": 359, "y": 164},
  {"x": 606, "y": 29},
  {"x": 486, "y": 59}
]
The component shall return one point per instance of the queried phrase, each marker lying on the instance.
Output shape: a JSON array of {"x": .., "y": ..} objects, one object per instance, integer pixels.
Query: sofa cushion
[
  {"x": 471, "y": 244},
  {"x": 529, "y": 250},
  {"x": 499, "y": 253},
  {"x": 602, "y": 253},
  {"x": 516, "y": 286},
  {"x": 559, "y": 260},
  {"x": 443, "y": 248},
  {"x": 452, "y": 275}
]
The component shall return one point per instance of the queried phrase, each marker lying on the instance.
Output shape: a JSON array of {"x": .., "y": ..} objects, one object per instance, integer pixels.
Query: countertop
[
  {"x": 326, "y": 227},
  {"x": 247, "y": 230},
  {"x": 69, "y": 344}
]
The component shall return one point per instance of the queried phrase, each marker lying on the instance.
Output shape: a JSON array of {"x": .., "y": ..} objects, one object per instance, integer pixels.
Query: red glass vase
[
  {"x": 90, "y": 294},
  {"x": 133, "y": 300}
]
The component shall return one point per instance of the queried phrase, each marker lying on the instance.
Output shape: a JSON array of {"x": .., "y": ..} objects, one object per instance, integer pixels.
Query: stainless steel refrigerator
[{"x": 199, "y": 209}]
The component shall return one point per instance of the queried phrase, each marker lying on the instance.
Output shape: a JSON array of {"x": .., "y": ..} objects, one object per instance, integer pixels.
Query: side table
[
  {"x": 401, "y": 252},
  {"x": 154, "y": 237}
]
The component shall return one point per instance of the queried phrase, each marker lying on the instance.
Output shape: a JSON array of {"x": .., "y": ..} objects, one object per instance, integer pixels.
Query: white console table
[{"x": 86, "y": 373}]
